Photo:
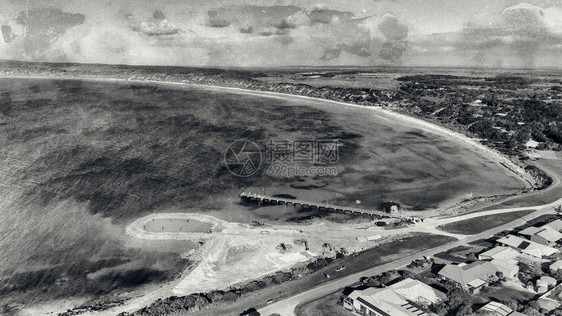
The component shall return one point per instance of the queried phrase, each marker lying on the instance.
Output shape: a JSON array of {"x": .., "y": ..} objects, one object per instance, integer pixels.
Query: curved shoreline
[
  {"x": 381, "y": 111},
  {"x": 135, "y": 229},
  {"x": 480, "y": 150}
]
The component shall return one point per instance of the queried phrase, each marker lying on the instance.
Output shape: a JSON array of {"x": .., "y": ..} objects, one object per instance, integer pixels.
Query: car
[{"x": 340, "y": 268}]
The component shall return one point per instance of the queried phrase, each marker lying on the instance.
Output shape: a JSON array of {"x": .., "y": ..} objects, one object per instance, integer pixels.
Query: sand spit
[{"x": 136, "y": 228}]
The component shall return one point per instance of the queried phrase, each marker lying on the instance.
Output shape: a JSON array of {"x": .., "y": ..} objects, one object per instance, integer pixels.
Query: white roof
[
  {"x": 394, "y": 299},
  {"x": 556, "y": 265},
  {"x": 527, "y": 246},
  {"x": 556, "y": 225},
  {"x": 530, "y": 231},
  {"x": 416, "y": 291},
  {"x": 386, "y": 300},
  {"x": 476, "y": 283},
  {"x": 500, "y": 252},
  {"x": 497, "y": 309},
  {"x": 549, "y": 234},
  {"x": 507, "y": 267},
  {"x": 545, "y": 279}
]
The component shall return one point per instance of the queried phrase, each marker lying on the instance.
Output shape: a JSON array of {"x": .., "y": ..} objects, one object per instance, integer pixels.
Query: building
[
  {"x": 498, "y": 309},
  {"x": 545, "y": 283},
  {"x": 393, "y": 300},
  {"x": 509, "y": 268},
  {"x": 556, "y": 266},
  {"x": 551, "y": 299},
  {"x": 470, "y": 276},
  {"x": 527, "y": 246},
  {"x": 503, "y": 253},
  {"x": 545, "y": 235},
  {"x": 390, "y": 207},
  {"x": 556, "y": 225},
  {"x": 505, "y": 259}
]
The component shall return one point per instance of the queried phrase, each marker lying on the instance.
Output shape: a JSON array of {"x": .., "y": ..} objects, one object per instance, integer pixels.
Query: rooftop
[
  {"x": 468, "y": 274},
  {"x": 546, "y": 231},
  {"x": 556, "y": 225},
  {"x": 497, "y": 309},
  {"x": 526, "y": 246},
  {"x": 394, "y": 300},
  {"x": 499, "y": 252}
]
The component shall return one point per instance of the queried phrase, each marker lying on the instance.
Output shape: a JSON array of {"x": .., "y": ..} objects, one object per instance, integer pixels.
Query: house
[
  {"x": 508, "y": 268},
  {"x": 545, "y": 234},
  {"x": 527, "y": 246},
  {"x": 505, "y": 259},
  {"x": 545, "y": 283},
  {"x": 551, "y": 299},
  {"x": 470, "y": 276},
  {"x": 556, "y": 225},
  {"x": 556, "y": 266},
  {"x": 498, "y": 309},
  {"x": 393, "y": 300},
  {"x": 503, "y": 253}
]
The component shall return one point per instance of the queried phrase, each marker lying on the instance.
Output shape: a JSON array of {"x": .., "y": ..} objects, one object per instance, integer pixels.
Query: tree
[
  {"x": 510, "y": 303},
  {"x": 500, "y": 275},
  {"x": 529, "y": 311}
]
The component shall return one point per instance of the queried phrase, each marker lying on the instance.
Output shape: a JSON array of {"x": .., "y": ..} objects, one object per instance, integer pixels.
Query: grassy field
[
  {"x": 506, "y": 294},
  {"x": 477, "y": 225},
  {"x": 177, "y": 225},
  {"x": 324, "y": 306}
]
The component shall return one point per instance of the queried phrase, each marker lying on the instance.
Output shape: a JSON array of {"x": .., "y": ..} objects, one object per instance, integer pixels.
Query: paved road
[{"x": 287, "y": 306}]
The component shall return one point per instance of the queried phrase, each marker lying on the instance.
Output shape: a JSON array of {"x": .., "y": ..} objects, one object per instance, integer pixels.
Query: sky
[{"x": 259, "y": 33}]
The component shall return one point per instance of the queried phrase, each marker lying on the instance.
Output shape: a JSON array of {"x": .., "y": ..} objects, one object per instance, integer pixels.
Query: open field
[
  {"x": 477, "y": 225},
  {"x": 324, "y": 306}
]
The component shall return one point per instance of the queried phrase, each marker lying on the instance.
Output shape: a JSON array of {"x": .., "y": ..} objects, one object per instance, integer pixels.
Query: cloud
[
  {"x": 7, "y": 33},
  {"x": 395, "y": 34},
  {"x": 392, "y": 29},
  {"x": 261, "y": 20},
  {"x": 374, "y": 38},
  {"x": 157, "y": 25},
  {"x": 343, "y": 36},
  {"x": 522, "y": 29},
  {"x": 325, "y": 16},
  {"x": 42, "y": 27}
]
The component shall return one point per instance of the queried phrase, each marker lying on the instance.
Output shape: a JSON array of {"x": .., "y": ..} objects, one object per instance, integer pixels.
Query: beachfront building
[
  {"x": 527, "y": 246},
  {"x": 470, "y": 276},
  {"x": 393, "y": 300}
]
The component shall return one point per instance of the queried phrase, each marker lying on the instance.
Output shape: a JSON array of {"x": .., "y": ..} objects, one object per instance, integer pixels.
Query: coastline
[
  {"x": 455, "y": 203},
  {"x": 383, "y": 113}
]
